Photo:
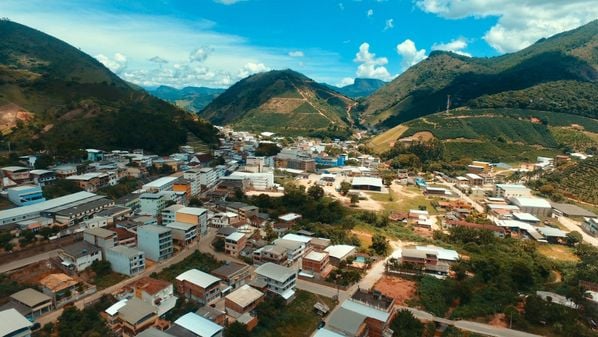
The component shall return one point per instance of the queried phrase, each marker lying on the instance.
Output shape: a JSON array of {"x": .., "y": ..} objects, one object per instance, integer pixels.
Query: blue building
[
  {"x": 421, "y": 182},
  {"x": 94, "y": 155},
  {"x": 25, "y": 195},
  {"x": 339, "y": 161}
]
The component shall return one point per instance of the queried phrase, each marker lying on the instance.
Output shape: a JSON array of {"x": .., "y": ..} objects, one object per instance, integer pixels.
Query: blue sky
[{"x": 217, "y": 42}]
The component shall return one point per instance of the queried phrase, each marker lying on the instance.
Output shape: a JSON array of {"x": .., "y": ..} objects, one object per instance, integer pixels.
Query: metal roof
[
  {"x": 275, "y": 272},
  {"x": 340, "y": 251},
  {"x": 346, "y": 320},
  {"x": 181, "y": 226},
  {"x": 244, "y": 296},
  {"x": 297, "y": 237},
  {"x": 327, "y": 333},
  {"x": 101, "y": 232},
  {"x": 30, "y": 297},
  {"x": 198, "y": 278},
  {"x": 236, "y": 236},
  {"x": 370, "y": 181},
  {"x": 198, "y": 325},
  {"x": 113, "y": 309},
  {"x": 45, "y": 205},
  {"x": 531, "y": 202},
  {"x": 366, "y": 310},
  {"x": 192, "y": 210},
  {"x": 135, "y": 310},
  {"x": 12, "y": 321},
  {"x": 315, "y": 256},
  {"x": 125, "y": 250}
]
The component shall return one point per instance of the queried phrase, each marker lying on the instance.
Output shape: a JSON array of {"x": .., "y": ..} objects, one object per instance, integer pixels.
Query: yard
[
  {"x": 558, "y": 252},
  {"x": 197, "y": 260},
  {"x": 398, "y": 288},
  {"x": 297, "y": 319}
]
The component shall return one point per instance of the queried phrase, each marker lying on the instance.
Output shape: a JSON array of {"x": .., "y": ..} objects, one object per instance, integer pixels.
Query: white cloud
[
  {"x": 371, "y": 66},
  {"x": 345, "y": 82},
  {"x": 456, "y": 46},
  {"x": 116, "y": 64},
  {"x": 200, "y": 54},
  {"x": 251, "y": 68},
  {"x": 228, "y": 2},
  {"x": 389, "y": 24},
  {"x": 409, "y": 54},
  {"x": 370, "y": 12},
  {"x": 520, "y": 23},
  {"x": 296, "y": 53}
]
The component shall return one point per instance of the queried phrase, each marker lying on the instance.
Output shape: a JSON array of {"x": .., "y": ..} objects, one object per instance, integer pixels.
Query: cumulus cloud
[
  {"x": 200, "y": 54},
  {"x": 345, "y": 82},
  {"x": 371, "y": 66},
  {"x": 520, "y": 23},
  {"x": 251, "y": 68},
  {"x": 456, "y": 46},
  {"x": 389, "y": 24},
  {"x": 296, "y": 53},
  {"x": 370, "y": 12},
  {"x": 410, "y": 55},
  {"x": 158, "y": 60},
  {"x": 116, "y": 64}
]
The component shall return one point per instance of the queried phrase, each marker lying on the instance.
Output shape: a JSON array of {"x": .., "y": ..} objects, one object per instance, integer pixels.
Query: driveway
[{"x": 573, "y": 225}]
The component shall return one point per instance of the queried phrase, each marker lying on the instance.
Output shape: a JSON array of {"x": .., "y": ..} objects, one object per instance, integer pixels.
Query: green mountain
[
  {"x": 61, "y": 99},
  {"x": 281, "y": 101},
  {"x": 361, "y": 87},
  {"x": 192, "y": 99},
  {"x": 555, "y": 74}
]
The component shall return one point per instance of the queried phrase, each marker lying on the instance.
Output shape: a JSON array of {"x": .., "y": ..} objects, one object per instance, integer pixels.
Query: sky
[{"x": 215, "y": 43}]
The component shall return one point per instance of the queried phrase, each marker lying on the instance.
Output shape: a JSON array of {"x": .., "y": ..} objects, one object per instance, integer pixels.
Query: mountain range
[
  {"x": 281, "y": 101},
  {"x": 361, "y": 87},
  {"x": 55, "y": 97},
  {"x": 189, "y": 98},
  {"x": 555, "y": 74}
]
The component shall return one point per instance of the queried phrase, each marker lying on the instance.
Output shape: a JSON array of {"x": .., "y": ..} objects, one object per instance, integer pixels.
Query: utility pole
[{"x": 448, "y": 103}]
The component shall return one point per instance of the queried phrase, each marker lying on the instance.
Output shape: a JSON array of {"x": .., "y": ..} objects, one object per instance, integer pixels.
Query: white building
[
  {"x": 126, "y": 260},
  {"x": 153, "y": 203},
  {"x": 193, "y": 177},
  {"x": 13, "y": 324},
  {"x": 155, "y": 242},
  {"x": 280, "y": 280},
  {"x": 511, "y": 191},
  {"x": 160, "y": 184},
  {"x": 539, "y": 207},
  {"x": 208, "y": 176},
  {"x": 259, "y": 181},
  {"x": 79, "y": 255},
  {"x": 183, "y": 233},
  {"x": 194, "y": 215},
  {"x": 169, "y": 213},
  {"x": 224, "y": 219},
  {"x": 25, "y": 195},
  {"x": 199, "y": 326}
]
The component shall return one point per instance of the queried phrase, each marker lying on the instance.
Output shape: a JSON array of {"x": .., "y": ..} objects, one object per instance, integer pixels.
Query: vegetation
[
  {"x": 344, "y": 277},
  {"x": 282, "y": 101},
  {"x": 59, "y": 188},
  {"x": 77, "y": 103},
  {"x": 197, "y": 260},
  {"x": 192, "y": 99},
  {"x": 553, "y": 74},
  {"x": 406, "y": 325},
  {"x": 575, "y": 180},
  {"x": 296, "y": 319},
  {"x": 267, "y": 149},
  {"x": 125, "y": 186}
]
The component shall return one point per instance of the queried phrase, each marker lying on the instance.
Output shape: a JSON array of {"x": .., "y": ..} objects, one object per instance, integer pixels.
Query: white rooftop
[
  {"x": 160, "y": 182},
  {"x": 442, "y": 253},
  {"x": 473, "y": 176},
  {"x": 11, "y": 321},
  {"x": 290, "y": 217},
  {"x": 315, "y": 256},
  {"x": 274, "y": 271},
  {"x": 531, "y": 202},
  {"x": 244, "y": 295},
  {"x": 366, "y": 310},
  {"x": 525, "y": 217},
  {"x": 192, "y": 210},
  {"x": 181, "y": 226},
  {"x": 198, "y": 278},
  {"x": 45, "y": 205},
  {"x": 370, "y": 181},
  {"x": 236, "y": 236},
  {"x": 198, "y": 325},
  {"x": 113, "y": 309},
  {"x": 340, "y": 251},
  {"x": 298, "y": 238},
  {"x": 327, "y": 333}
]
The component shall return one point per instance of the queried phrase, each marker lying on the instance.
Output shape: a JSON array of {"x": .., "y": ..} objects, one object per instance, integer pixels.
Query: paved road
[
  {"x": 475, "y": 204},
  {"x": 27, "y": 261},
  {"x": 573, "y": 225}
]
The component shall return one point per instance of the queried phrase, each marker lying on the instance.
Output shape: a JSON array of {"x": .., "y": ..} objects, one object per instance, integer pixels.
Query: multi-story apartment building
[{"x": 155, "y": 242}]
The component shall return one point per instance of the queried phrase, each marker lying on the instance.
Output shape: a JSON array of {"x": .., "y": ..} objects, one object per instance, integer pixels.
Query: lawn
[
  {"x": 382, "y": 142},
  {"x": 392, "y": 202},
  {"x": 108, "y": 280},
  {"x": 197, "y": 260},
  {"x": 558, "y": 252},
  {"x": 297, "y": 319}
]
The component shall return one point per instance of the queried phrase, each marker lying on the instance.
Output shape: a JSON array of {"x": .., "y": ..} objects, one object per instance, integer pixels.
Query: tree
[
  {"x": 195, "y": 202},
  {"x": 406, "y": 325},
  {"x": 219, "y": 245},
  {"x": 315, "y": 192},
  {"x": 101, "y": 267},
  {"x": 354, "y": 199},
  {"x": 380, "y": 245},
  {"x": 270, "y": 233},
  {"x": 345, "y": 187},
  {"x": 236, "y": 330},
  {"x": 574, "y": 238}
]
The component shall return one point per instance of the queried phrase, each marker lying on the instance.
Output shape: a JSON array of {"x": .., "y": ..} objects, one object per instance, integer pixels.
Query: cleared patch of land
[
  {"x": 558, "y": 252},
  {"x": 384, "y": 141},
  {"x": 396, "y": 287}
]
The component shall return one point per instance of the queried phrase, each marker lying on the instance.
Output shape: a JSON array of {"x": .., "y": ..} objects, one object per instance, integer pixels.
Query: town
[{"x": 240, "y": 239}]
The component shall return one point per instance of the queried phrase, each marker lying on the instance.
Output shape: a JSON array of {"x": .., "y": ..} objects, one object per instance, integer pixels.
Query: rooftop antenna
[{"x": 448, "y": 103}]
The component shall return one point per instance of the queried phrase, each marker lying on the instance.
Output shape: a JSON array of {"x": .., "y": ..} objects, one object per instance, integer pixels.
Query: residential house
[
  {"x": 215, "y": 315},
  {"x": 169, "y": 213},
  {"x": 242, "y": 301},
  {"x": 191, "y": 324},
  {"x": 158, "y": 293},
  {"x": 183, "y": 185},
  {"x": 193, "y": 177},
  {"x": 125, "y": 237},
  {"x": 194, "y": 215},
  {"x": 65, "y": 170},
  {"x": 233, "y": 274},
  {"x": 13, "y": 324},
  {"x": 155, "y": 242},
  {"x": 115, "y": 213},
  {"x": 30, "y": 303},
  {"x": 153, "y": 203},
  {"x": 183, "y": 234},
  {"x": 280, "y": 280},
  {"x": 224, "y": 219},
  {"x": 295, "y": 249},
  {"x": 59, "y": 286},
  {"x": 270, "y": 253},
  {"x": 42, "y": 177},
  {"x": 101, "y": 237},
  {"x": 235, "y": 243},
  {"x": 198, "y": 286},
  {"x": 338, "y": 253},
  {"x": 126, "y": 260},
  {"x": 79, "y": 255},
  {"x": 160, "y": 184},
  {"x": 136, "y": 316},
  {"x": 315, "y": 262},
  {"x": 17, "y": 174},
  {"x": 208, "y": 176},
  {"x": 474, "y": 179},
  {"x": 25, "y": 195},
  {"x": 590, "y": 226}
]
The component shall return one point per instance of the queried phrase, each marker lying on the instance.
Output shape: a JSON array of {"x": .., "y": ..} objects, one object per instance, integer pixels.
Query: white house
[{"x": 280, "y": 280}]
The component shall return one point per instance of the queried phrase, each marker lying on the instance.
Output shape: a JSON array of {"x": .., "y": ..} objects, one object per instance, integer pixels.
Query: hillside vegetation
[
  {"x": 361, "y": 87},
  {"x": 192, "y": 99},
  {"x": 576, "y": 180},
  {"x": 281, "y": 101},
  {"x": 75, "y": 102},
  {"x": 555, "y": 74}
]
